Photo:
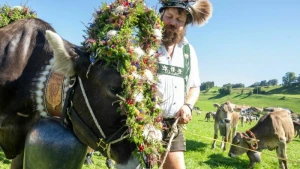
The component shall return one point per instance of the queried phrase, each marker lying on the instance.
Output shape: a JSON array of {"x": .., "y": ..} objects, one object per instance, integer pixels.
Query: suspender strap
[
  {"x": 178, "y": 71},
  {"x": 187, "y": 65}
]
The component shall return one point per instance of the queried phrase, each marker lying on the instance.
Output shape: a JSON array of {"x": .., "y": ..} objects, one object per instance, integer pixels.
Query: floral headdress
[
  {"x": 9, "y": 14},
  {"x": 126, "y": 34}
]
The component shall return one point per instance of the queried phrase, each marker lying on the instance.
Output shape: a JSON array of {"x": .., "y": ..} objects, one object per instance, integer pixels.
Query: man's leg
[{"x": 174, "y": 160}]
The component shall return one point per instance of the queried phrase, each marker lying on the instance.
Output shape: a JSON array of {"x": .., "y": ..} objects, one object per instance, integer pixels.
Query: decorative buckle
[{"x": 102, "y": 144}]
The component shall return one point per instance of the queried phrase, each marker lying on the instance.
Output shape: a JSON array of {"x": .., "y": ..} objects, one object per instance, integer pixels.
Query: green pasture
[{"x": 199, "y": 134}]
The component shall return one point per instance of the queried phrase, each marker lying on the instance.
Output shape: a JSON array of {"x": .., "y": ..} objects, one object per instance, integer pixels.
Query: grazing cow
[
  {"x": 272, "y": 131},
  {"x": 26, "y": 60},
  {"x": 226, "y": 120},
  {"x": 243, "y": 119},
  {"x": 209, "y": 115},
  {"x": 297, "y": 128},
  {"x": 197, "y": 110}
]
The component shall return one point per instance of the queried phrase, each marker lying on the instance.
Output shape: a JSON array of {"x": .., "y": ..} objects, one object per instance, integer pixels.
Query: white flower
[
  {"x": 139, "y": 52},
  {"x": 152, "y": 52},
  {"x": 136, "y": 75},
  {"x": 18, "y": 7},
  {"x": 148, "y": 75},
  {"x": 151, "y": 133},
  {"x": 157, "y": 106},
  {"x": 139, "y": 97},
  {"x": 120, "y": 9},
  {"x": 158, "y": 34},
  {"x": 111, "y": 34}
]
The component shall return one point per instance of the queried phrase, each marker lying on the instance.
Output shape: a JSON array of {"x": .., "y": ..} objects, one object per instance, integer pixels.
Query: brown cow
[
  {"x": 208, "y": 115},
  {"x": 296, "y": 128},
  {"x": 226, "y": 119},
  {"x": 272, "y": 131}
]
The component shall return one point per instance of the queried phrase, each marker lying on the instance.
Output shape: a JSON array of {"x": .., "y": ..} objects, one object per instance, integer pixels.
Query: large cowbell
[
  {"x": 224, "y": 128},
  {"x": 46, "y": 140}
]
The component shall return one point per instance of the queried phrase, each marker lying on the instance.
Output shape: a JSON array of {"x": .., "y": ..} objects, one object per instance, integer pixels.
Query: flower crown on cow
[
  {"x": 126, "y": 34},
  {"x": 9, "y": 14}
]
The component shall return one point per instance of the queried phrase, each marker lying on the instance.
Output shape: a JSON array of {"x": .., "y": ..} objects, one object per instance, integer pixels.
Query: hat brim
[{"x": 191, "y": 18}]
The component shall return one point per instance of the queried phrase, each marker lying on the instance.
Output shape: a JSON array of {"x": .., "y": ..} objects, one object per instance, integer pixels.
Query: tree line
[{"x": 288, "y": 80}]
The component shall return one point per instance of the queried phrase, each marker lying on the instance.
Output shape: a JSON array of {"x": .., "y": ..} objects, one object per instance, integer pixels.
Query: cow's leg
[
  {"x": 234, "y": 129},
  {"x": 216, "y": 129},
  {"x": 17, "y": 162},
  {"x": 223, "y": 143},
  {"x": 281, "y": 153}
]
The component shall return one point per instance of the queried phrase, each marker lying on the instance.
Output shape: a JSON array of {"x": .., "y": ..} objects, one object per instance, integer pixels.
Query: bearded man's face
[{"x": 175, "y": 28}]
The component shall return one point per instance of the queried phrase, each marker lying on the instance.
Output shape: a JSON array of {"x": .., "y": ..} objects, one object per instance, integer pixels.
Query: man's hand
[{"x": 184, "y": 114}]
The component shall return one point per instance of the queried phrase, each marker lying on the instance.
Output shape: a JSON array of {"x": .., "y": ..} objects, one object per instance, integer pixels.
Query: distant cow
[
  {"x": 226, "y": 119},
  {"x": 272, "y": 131},
  {"x": 243, "y": 120},
  {"x": 296, "y": 128},
  {"x": 197, "y": 110},
  {"x": 209, "y": 115}
]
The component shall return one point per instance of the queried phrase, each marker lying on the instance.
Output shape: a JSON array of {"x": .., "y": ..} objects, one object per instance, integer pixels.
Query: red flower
[
  {"x": 145, "y": 60},
  {"x": 129, "y": 101},
  {"x": 141, "y": 148}
]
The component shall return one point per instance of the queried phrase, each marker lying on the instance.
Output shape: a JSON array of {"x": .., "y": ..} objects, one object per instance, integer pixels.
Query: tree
[
  {"x": 206, "y": 85},
  {"x": 272, "y": 82},
  {"x": 238, "y": 85},
  {"x": 263, "y": 83},
  {"x": 254, "y": 84},
  {"x": 288, "y": 79},
  {"x": 298, "y": 79},
  {"x": 258, "y": 90},
  {"x": 226, "y": 89}
]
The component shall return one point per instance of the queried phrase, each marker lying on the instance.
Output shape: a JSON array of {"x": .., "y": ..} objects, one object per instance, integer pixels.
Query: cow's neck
[{"x": 50, "y": 94}]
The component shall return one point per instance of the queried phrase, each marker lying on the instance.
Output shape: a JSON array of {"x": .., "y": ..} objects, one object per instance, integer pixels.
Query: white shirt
[{"x": 170, "y": 87}]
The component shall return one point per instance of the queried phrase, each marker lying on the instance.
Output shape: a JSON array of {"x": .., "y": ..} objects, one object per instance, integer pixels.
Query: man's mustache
[{"x": 170, "y": 27}]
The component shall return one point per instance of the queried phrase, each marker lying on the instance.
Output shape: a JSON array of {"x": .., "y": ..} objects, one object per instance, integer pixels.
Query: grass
[{"x": 199, "y": 154}]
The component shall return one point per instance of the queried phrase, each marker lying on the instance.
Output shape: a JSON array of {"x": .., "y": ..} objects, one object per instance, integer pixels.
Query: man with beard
[{"x": 178, "y": 72}]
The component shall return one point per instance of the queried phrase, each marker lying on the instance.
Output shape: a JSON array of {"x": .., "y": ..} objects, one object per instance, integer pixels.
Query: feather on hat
[{"x": 198, "y": 13}]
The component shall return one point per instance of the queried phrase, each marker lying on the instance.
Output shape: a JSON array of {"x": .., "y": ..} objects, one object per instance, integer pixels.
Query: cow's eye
[{"x": 114, "y": 89}]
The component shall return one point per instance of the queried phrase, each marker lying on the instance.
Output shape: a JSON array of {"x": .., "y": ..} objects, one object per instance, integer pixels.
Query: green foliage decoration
[
  {"x": 126, "y": 35},
  {"x": 9, "y": 14}
]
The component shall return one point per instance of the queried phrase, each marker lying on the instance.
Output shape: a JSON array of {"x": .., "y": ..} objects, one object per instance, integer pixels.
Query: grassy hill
[{"x": 275, "y": 97}]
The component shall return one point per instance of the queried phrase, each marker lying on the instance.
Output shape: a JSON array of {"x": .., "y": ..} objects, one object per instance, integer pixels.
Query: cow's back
[
  {"x": 283, "y": 124},
  {"x": 275, "y": 125},
  {"x": 24, "y": 55}
]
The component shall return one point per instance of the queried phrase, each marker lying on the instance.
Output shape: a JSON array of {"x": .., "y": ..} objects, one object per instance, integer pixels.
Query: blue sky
[{"x": 244, "y": 41}]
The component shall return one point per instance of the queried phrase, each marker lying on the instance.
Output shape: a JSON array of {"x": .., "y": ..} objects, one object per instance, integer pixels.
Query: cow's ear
[
  {"x": 216, "y": 105},
  {"x": 63, "y": 62},
  {"x": 237, "y": 108}
]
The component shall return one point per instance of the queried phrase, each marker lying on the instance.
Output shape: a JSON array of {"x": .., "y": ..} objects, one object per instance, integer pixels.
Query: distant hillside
[
  {"x": 275, "y": 97},
  {"x": 294, "y": 90}
]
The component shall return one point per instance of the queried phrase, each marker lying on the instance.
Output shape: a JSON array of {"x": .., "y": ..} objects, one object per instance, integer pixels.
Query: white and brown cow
[
  {"x": 273, "y": 131},
  {"x": 226, "y": 120}
]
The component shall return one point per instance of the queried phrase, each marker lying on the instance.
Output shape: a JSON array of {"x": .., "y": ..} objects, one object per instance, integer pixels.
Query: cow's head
[
  {"x": 101, "y": 85},
  {"x": 224, "y": 116},
  {"x": 241, "y": 144}
]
